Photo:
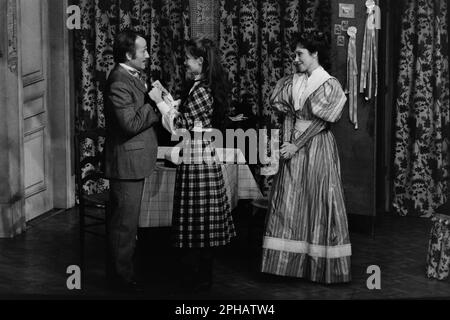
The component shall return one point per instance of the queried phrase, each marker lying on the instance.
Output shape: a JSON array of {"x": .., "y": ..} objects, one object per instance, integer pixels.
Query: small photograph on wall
[{"x": 337, "y": 29}]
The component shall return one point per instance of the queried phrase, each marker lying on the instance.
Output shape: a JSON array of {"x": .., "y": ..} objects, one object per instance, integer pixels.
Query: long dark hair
[{"x": 215, "y": 78}]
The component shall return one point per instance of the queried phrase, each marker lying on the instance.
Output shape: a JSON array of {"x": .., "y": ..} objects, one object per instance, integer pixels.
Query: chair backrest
[{"x": 89, "y": 161}]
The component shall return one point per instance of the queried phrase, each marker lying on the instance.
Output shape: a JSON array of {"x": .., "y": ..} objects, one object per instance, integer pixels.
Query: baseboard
[{"x": 41, "y": 218}]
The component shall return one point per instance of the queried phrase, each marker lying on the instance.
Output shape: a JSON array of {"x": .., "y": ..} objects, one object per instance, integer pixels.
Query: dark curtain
[
  {"x": 422, "y": 126},
  {"x": 164, "y": 23},
  {"x": 254, "y": 41},
  {"x": 255, "y": 38}
]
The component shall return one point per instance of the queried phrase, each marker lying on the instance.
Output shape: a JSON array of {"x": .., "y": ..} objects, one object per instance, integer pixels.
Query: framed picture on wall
[{"x": 337, "y": 29}]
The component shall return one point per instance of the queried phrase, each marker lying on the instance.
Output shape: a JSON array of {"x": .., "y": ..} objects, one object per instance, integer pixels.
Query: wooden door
[
  {"x": 33, "y": 39},
  {"x": 357, "y": 147}
]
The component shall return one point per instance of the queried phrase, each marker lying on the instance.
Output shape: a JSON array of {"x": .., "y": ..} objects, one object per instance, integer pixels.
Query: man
[{"x": 130, "y": 152}]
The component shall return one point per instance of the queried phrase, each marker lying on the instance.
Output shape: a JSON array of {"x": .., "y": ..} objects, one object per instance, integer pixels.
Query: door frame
[
  {"x": 389, "y": 55},
  {"x": 61, "y": 88}
]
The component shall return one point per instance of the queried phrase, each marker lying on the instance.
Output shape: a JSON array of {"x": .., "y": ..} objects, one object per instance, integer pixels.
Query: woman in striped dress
[
  {"x": 306, "y": 232},
  {"x": 201, "y": 212}
]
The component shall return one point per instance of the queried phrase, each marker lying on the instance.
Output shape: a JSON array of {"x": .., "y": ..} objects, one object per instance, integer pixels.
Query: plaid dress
[{"x": 201, "y": 211}]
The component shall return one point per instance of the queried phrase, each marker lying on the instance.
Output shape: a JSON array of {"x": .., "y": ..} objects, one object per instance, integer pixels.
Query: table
[{"x": 157, "y": 198}]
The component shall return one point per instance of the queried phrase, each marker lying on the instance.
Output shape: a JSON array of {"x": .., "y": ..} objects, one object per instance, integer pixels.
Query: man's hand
[
  {"x": 288, "y": 150},
  {"x": 156, "y": 95}
]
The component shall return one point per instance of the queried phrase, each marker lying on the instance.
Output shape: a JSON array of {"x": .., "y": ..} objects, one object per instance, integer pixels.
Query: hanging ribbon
[
  {"x": 352, "y": 77},
  {"x": 369, "y": 60}
]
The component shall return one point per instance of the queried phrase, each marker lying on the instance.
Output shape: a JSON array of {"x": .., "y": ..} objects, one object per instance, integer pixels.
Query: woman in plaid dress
[{"x": 202, "y": 216}]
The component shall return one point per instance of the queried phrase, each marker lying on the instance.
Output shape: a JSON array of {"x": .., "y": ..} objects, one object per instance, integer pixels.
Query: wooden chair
[{"x": 92, "y": 208}]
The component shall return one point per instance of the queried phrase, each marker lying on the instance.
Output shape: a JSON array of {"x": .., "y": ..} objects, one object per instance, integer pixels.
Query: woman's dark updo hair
[
  {"x": 215, "y": 78},
  {"x": 314, "y": 41}
]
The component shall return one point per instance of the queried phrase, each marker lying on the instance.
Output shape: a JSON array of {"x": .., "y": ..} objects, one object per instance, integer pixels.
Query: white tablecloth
[{"x": 157, "y": 198}]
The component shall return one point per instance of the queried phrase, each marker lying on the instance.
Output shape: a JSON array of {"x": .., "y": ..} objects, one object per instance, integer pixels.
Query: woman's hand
[
  {"x": 176, "y": 103},
  {"x": 156, "y": 95},
  {"x": 288, "y": 150}
]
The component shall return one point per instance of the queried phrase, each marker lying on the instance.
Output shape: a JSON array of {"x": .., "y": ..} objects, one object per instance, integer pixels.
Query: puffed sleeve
[
  {"x": 328, "y": 101},
  {"x": 327, "y": 104},
  {"x": 281, "y": 98}
]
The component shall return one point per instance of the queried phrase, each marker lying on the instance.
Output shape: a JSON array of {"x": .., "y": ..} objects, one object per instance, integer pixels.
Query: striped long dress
[{"x": 306, "y": 232}]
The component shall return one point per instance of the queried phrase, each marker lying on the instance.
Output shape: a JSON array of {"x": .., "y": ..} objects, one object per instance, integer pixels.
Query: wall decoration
[
  {"x": 340, "y": 41},
  {"x": 369, "y": 60},
  {"x": 12, "y": 35},
  {"x": 346, "y": 10},
  {"x": 352, "y": 77},
  {"x": 344, "y": 25},
  {"x": 337, "y": 29}
]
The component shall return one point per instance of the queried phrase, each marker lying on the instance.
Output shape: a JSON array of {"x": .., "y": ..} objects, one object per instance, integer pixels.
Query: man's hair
[{"x": 125, "y": 43}]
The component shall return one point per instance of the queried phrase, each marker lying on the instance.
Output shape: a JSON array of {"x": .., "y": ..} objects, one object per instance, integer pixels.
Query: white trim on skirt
[{"x": 312, "y": 250}]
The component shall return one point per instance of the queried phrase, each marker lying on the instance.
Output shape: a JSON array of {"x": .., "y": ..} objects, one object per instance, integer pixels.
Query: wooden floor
[{"x": 34, "y": 264}]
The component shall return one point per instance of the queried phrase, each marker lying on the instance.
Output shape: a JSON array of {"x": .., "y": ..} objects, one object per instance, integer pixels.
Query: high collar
[
  {"x": 319, "y": 67},
  {"x": 140, "y": 84},
  {"x": 131, "y": 70}
]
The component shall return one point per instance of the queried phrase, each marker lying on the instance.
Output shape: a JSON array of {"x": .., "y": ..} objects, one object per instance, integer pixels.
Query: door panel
[
  {"x": 33, "y": 40},
  {"x": 37, "y": 155},
  {"x": 34, "y": 154}
]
